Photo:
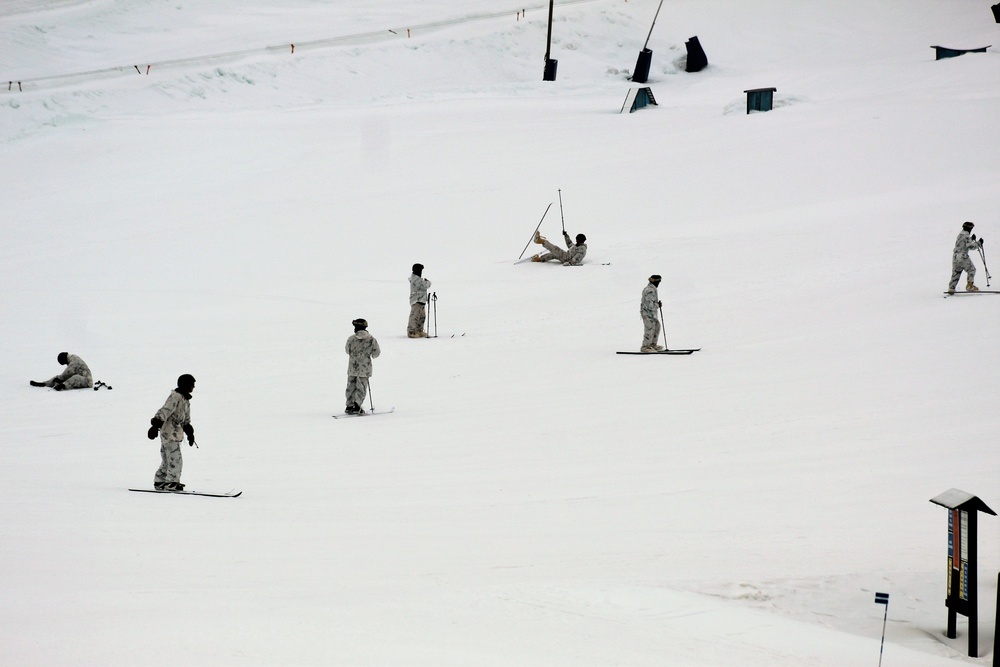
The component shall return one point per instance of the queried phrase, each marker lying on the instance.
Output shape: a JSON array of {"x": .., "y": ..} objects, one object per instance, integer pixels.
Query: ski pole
[
  {"x": 435, "y": 301},
  {"x": 664, "y": 329},
  {"x": 536, "y": 230},
  {"x": 371, "y": 400},
  {"x": 982, "y": 254},
  {"x": 561, "y": 212}
]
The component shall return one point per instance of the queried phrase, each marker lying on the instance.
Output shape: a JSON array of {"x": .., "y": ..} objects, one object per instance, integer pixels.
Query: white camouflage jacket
[
  {"x": 650, "y": 301},
  {"x": 362, "y": 347},
  {"x": 418, "y": 289},
  {"x": 963, "y": 244},
  {"x": 175, "y": 413},
  {"x": 75, "y": 366}
]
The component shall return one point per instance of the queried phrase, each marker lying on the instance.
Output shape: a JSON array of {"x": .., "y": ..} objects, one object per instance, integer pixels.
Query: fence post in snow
[{"x": 996, "y": 620}]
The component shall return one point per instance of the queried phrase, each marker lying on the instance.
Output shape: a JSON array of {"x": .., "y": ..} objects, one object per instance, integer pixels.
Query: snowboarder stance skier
[
  {"x": 572, "y": 256},
  {"x": 173, "y": 422},
  {"x": 76, "y": 376},
  {"x": 418, "y": 303},
  {"x": 960, "y": 259},
  {"x": 362, "y": 348},
  {"x": 648, "y": 310}
]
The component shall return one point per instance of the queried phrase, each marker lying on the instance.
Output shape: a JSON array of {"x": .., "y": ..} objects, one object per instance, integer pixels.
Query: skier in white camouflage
[
  {"x": 362, "y": 348},
  {"x": 649, "y": 311},
  {"x": 418, "y": 303},
  {"x": 960, "y": 259},
  {"x": 572, "y": 256},
  {"x": 76, "y": 376},
  {"x": 173, "y": 422}
]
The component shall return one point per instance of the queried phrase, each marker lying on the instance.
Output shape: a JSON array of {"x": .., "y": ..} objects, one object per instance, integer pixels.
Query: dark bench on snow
[{"x": 945, "y": 52}]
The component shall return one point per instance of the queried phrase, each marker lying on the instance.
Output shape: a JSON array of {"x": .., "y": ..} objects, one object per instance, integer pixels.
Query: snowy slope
[{"x": 535, "y": 499}]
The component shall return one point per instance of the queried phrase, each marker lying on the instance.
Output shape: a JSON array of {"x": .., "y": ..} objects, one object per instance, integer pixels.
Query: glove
[
  {"x": 157, "y": 424},
  {"x": 189, "y": 431},
  {"x": 981, "y": 242}
]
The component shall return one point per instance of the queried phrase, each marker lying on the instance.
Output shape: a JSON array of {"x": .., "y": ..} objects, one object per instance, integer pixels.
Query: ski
[
  {"x": 367, "y": 414},
  {"x": 230, "y": 494},
  {"x": 982, "y": 291},
  {"x": 664, "y": 352}
]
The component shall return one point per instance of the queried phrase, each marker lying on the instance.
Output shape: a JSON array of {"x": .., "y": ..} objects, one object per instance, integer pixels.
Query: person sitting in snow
[
  {"x": 173, "y": 422},
  {"x": 960, "y": 259},
  {"x": 572, "y": 256},
  {"x": 76, "y": 376},
  {"x": 648, "y": 311},
  {"x": 362, "y": 348},
  {"x": 418, "y": 303}
]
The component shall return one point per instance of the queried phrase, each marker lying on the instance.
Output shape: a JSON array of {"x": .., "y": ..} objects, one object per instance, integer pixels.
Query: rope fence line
[{"x": 343, "y": 40}]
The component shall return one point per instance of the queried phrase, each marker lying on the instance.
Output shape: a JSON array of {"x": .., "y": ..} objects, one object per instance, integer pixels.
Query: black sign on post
[{"x": 963, "y": 584}]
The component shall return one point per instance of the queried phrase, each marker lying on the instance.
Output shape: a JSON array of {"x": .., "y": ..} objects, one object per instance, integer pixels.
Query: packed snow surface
[{"x": 185, "y": 192}]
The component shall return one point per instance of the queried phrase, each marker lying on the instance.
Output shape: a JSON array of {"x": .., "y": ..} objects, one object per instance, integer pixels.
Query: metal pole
[
  {"x": 996, "y": 626},
  {"x": 663, "y": 328},
  {"x": 982, "y": 254},
  {"x": 371, "y": 400},
  {"x": 650, "y": 27},
  {"x": 882, "y": 598},
  {"x": 564, "y": 219},
  {"x": 884, "y": 619},
  {"x": 536, "y": 229},
  {"x": 548, "y": 40}
]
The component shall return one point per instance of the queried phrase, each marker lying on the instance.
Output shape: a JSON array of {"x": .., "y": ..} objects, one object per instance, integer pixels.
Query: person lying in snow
[
  {"x": 76, "y": 376},
  {"x": 572, "y": 256}
]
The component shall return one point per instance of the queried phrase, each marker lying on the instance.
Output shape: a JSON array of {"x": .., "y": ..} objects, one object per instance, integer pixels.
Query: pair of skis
[
  {"x": 679, "y": 352},
  {"x": 981, "y": 291},
  {"x": 228, "y": 494},
  {"x": 369, "y": 413}
]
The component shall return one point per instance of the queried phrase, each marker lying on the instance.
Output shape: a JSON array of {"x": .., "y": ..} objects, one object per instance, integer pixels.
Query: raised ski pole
[
  {"x": 663, "y": 328},
  {"x": 982, "y": 255},
  {"x": 536, "y": 230},
  {"x": 561, "y": 212}
]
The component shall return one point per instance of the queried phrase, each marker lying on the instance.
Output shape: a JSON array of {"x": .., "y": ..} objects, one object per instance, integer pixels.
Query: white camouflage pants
[
  {"x": 650, "y": 330},
  {"x": 357, "y": 389},
  {"x": 959, "y": 265},
  {"x": 72, "y": 382},
  {"x": 171, "y": 461},
  {"x": 554, "y": 252},
  {"x": 418, "y": 315}
]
